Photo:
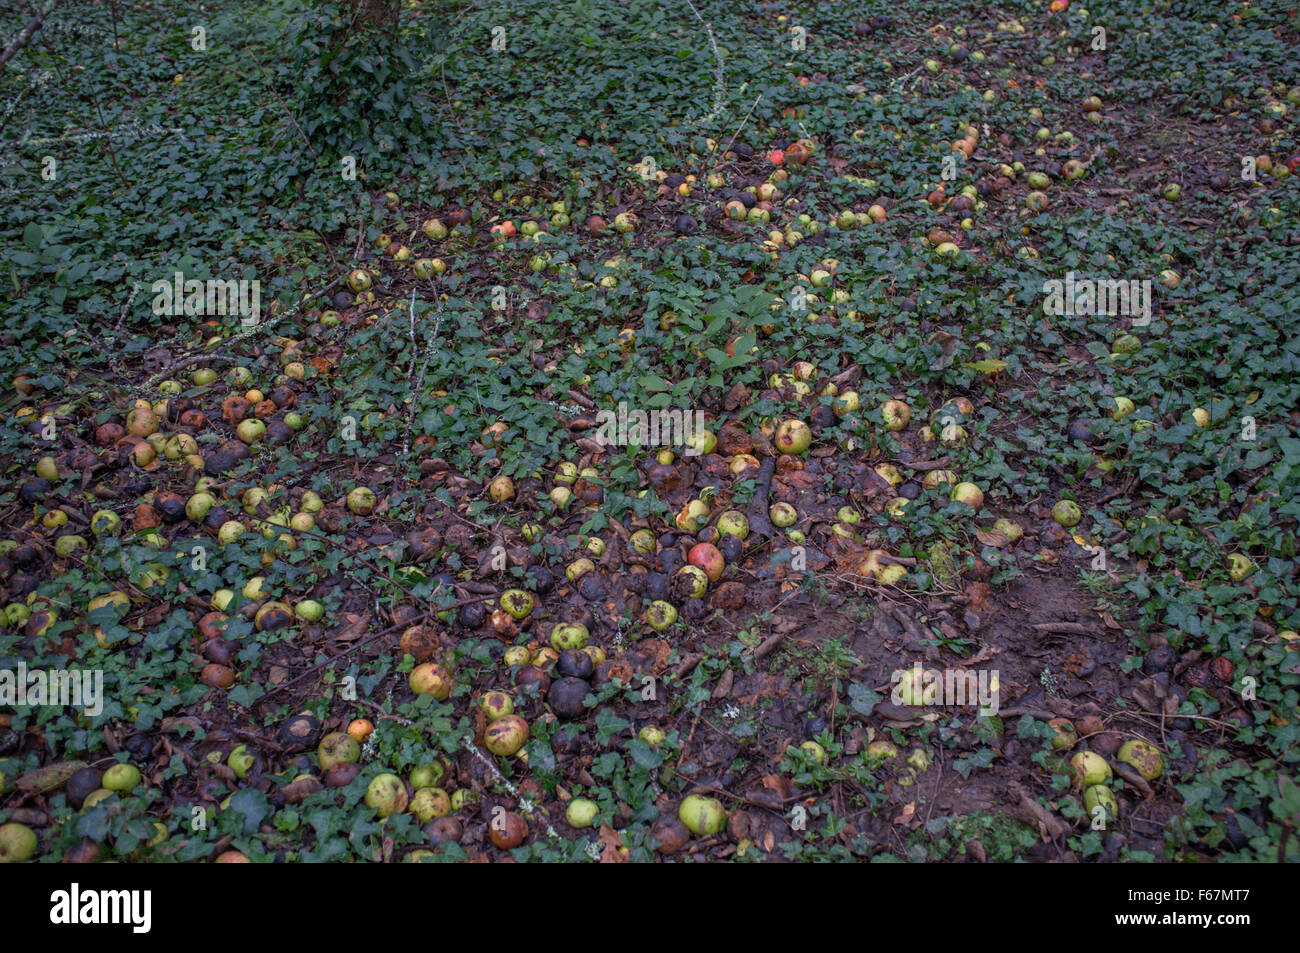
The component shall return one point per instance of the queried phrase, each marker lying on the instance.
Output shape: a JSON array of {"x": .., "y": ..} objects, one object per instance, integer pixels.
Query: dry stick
[
  {"x": 357, "y": 556},
  {"x": 271, "y": 86},
  {"x": 112, "y": 9},
  {"x": 738, "y": 130},
  {"x": 410, "y": 377},
  {"x": 358, "y": 644},
  {"x": 719, "y": 78},
  {"x": 418, "y": 385},
  {"x": 525, "y": 803},
  {"x": 257, "y": 328},
  {"x": 25, "y": 36},
  {"x": 117, "y": 328}
]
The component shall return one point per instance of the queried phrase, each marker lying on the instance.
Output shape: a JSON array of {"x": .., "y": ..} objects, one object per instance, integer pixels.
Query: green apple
[
  {"x": 17, "y": 843},
  {"x": 309, "y": 610},
  {"x": 782, "y": 515},
  {"x": 660, "y": 615},
  {"x": 241, "y": 761},
  {"x": 198, "y": 506},
  {"x": 105, "y": 523},
  {"x": 1143, "y": 756},
  {"x": 505, "y": 736},
  {"x": 968, "y": 493},
  {"x": 251, "y": 430},
  {"x": 1089, "y": 768},
  {"x": 362, "y": 501},
  {"x": 121, "y": 778},
  {"x": 427, "y": 775},
  {"x": 1067, "y": 513},
  {"x": 703, "y": 816},
  {"x": 581, "y": 812},
  {"x": 652, "y": 735},
  {"x": 386, "y": 794},
  {"x": 1240, "y": 567},
  {"x": 814, "y": 751},
  {"x": 429, "y": 803},
  {"x": 1098, "y": 795},
  {"x": 896, "y": 415},
  {"x": 337, "y": 748},
  {"x": 518, "y": 603},
  {"x": 569, "y": 635},
  {"x": 793, "y": 437},
  {"x": 734, "y": 523}
]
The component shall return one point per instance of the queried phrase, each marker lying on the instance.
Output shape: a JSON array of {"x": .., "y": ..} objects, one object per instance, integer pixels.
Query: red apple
[{"x": 707, "y": 557}]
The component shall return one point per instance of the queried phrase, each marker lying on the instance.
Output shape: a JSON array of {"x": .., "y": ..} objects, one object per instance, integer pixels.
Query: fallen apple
[
  {"x": 505, "y": 736},
  {"x": 578, "y": 568},
  {"x": 17, "y": 843},
  {"x": 968, "y": 493},
  {"x": 1008, "y": 528},
  {"x": 569, "y": 635},
  {"x": 105, "y": 523},
  {"x": 880, "y": 751},
  {"x": 1065, "y": 736},
  {"x": 703, "y": 816},
  {"x": 1067, "y": 513},
  {"x": 1143, "y": 757},
  {"x": 581, "y": 812},
  {"x": 431, "y": 678},
  {"x": 1240, "y": 567},
  {"x": 814, "y": 751},
  {"x": 507, "y": 830},
  {"x": 782, "y": 515},
  {"x": 690, "y": 582},
  {"x": 241, "y": 761},
  {"x": 386, "y": 794},
  {"x": 337, "y": 748},
  {"x": 429, "y": 803},
  {"x": 496, "y": 705},
  {"x": 361, "y": 501},
  {"x": 896, "y": 414},
  {"x": 1099, "y": 796},
  {"x": 643, "y": 541},
  {"x": 707, "y": 557},
  {"x": 1089, "y": 768},
  {"x": 734, "y": 523},
  {"x": 518, "y": 602},
  {"x": 660, "y": 615},
  {"x": 692, "y": 516},
  {"x": 702, "y": 441},
  {"x": 793, "y": 437},
  {"x": 121, "y": 777}
]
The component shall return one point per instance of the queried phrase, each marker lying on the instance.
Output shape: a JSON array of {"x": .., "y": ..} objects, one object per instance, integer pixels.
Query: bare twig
[
  {"x": 255, "y": 329},
  {"x": 25, "y": 35}
]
